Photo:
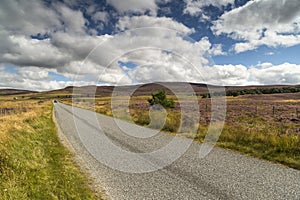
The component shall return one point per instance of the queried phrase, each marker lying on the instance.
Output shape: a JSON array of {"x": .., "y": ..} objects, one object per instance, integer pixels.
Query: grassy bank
[
  {"x": 33, "y": 163},
  {"x": 263, "y": 126},
  {"x": 261, "y": 141}
]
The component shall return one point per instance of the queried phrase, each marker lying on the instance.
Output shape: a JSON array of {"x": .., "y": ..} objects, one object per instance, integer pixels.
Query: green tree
[{"x": 160, "y": 97}]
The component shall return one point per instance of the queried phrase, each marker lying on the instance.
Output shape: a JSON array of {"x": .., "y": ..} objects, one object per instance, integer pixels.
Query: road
[{"x": 220, "y": 175}]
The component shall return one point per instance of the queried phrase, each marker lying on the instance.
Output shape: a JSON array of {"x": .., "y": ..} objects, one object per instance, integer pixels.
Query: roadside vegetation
[
  {"x": 33, "y": 163},
  {"x": 266, "y": 126}
]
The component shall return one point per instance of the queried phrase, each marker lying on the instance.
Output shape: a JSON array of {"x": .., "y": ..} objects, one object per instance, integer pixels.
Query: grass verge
[
  {"x": 33, "y": 163},
  {"x": 263, "y": 136},
  {"x": 264, "y": 143}
]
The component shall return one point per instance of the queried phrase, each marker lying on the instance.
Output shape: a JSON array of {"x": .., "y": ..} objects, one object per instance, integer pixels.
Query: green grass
[
  {"x": 34, "y": 165},
  {"x": 266, "y": 143},
  {"x": 258, "y": 136}
]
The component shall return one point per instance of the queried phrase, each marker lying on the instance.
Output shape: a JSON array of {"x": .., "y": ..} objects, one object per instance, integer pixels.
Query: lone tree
[{"x": 160, "y": 97}]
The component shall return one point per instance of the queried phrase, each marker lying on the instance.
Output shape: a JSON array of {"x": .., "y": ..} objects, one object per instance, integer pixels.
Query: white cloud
[
  {"x": 24, "y": 51},
  {"x": 34, "y": 73},
  {"x": 152, "y": 48},
  {"x": 159, "y": 67},
  {"x": 267, "y": 73},
  {"x": 134, "y": 6},
  {"x": 34, "y": 78},
  {"x": 64, "y": 43},
  {"x": 74, "y": 22},
  {"x": 262, "y": 22},
  {"x": 151, "y": 36},
  {"x": 134, "y": 46},
  {"x": 78, "y": 46},
  {"x": 33, "y": 17},
  {"x": 127, "y": 23},
  {"x": 159, "y": 46},
  {"x": 195, "y": 7},
  {"x": 270, "y": 53},
  {"x": 100, "y": 16},
  {"x": 227, "y": 75},
  {"x": 262, "y": 74},
  {"x": 217, "y": 50},
  {"x": 27, "y": 17},
  {"x": 66, "y": 39}
]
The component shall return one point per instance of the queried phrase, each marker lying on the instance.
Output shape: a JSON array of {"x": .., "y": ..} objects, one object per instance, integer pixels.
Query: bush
[{"x": 161, "y": 98}]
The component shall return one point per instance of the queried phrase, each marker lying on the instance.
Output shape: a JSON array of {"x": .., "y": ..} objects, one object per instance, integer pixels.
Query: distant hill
[
  {"x": 200, "y": 89},
  {"x": 149, "y": 88},
  {"x": 15, "y": 92},
  {"x": 143, "y": 89}
]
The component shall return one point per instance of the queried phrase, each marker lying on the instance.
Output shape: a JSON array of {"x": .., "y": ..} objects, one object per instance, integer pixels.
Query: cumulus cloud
[
  {"x": 25, "y": 51},
  {"x": 217, "y": 50},
  {"x": 100, "y": 16},
  {"x": 33, "y": 78},
  {"x": 227, "y": 75},
  {"x": 150, "y": 44},
  {"x": 266, "y": 73},
  {"x": 44, "y": 37},
  {"x": 27, "y": 17},
  {"x": 38, "y": 17},
  {"x": 127, "y": 23},
  {"x": 63, "y": 30},
  {"x": 156, "y": 46},
  {"x": 262, "y": 74},
  {"x": 72, "y": 54},
  {"x": 145, "y": 31},
  {"x": 134, "y": 6},
  {"x": 73, "y": 20},
  {"x": 178, "y": 70},
  {"x": 33, "y": 73},
  {"x": 77, "y": 46},
  {"x": 195, "y": 7},
  {"x": 261, "y": 22}
]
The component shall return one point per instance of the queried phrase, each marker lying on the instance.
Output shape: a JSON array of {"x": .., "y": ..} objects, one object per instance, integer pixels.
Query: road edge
[{"x": 95, "y": 185}]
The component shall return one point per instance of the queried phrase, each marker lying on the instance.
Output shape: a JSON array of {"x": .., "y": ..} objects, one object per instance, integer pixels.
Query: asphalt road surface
[{"x": 220, "y": 175}]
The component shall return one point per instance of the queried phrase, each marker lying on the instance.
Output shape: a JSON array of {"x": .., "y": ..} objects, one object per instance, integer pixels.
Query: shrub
[{"x": 161, "y": 98}]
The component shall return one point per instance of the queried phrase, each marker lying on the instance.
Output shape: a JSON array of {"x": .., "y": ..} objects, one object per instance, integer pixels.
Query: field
[
  {"x": 266, "y": 126},
  {"x": 33, "y": 163}
]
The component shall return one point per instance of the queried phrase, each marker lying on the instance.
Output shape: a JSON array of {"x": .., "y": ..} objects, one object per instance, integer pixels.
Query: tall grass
[
  {"x": 249, "y": 133},
  {"x": 263, "y": 141},
  {"x": 33, "y": 163}
]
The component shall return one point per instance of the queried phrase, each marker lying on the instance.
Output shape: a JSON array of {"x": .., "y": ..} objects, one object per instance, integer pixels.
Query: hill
[
  {"x": 200, "y": 89},
  {"x": 15, "y": 92}
]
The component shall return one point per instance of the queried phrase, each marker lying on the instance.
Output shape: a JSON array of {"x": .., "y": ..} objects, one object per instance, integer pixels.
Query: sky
[{"x": 51, "y": 44}]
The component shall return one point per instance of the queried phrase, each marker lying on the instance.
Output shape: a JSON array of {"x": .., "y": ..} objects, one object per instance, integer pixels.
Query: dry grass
[
  {"x": 251, "y": 127},
  {"x": 14, "y": 122},
  {"x": 33, "y": 163}
]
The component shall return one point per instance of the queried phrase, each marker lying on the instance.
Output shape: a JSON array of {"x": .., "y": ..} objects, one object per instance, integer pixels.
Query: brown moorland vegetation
[{"x": 266, "y": 126}]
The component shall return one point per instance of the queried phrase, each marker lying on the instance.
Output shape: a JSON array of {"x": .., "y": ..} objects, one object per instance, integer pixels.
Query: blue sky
[{"x": 56, "y": 43}]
